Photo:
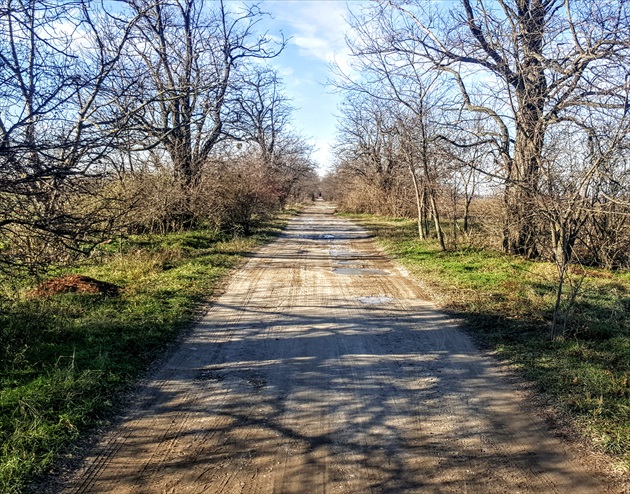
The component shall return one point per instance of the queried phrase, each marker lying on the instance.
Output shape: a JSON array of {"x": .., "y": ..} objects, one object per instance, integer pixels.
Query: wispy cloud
[
  {"x": 316, "y": 27},
  {"x": 316, "y": 32}
]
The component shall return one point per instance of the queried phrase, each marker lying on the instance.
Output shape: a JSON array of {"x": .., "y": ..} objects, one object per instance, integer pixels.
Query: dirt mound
[{"x": 76, "y": 283}]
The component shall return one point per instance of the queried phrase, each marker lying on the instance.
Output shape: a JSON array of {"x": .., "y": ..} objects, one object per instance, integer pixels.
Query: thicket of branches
[
  {"x": 137, "y": 115},
  {"x": 509, "y": 118}
]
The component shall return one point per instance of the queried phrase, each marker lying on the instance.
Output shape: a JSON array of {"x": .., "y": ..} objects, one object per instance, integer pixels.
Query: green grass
[
  {"x": 507, "y": 303},
  {"x": 65, "y": 359}
]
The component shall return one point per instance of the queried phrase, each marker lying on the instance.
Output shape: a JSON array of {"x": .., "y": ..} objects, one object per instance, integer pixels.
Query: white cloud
[
  {"x": 323, "y": 155},
  {"x": 316, "y": 32},
  {"x": 314, "y": 47},
  {"x": 318, "y": 28}
]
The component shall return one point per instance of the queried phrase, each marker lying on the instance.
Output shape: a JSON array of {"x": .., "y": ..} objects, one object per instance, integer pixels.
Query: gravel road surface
[{"x": 321, "y": 369}]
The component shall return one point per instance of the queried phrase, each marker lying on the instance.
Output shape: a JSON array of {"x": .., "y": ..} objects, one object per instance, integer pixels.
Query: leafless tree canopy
[
  {"x": 108, "y": 109},
  {"x": 180, "y": 72},
  {"x": 54, "y": 60},
  {"x": 529, "y": 97}
]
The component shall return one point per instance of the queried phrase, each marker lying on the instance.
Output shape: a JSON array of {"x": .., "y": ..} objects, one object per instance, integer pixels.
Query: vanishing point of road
[{"x": 321, "y": 369}]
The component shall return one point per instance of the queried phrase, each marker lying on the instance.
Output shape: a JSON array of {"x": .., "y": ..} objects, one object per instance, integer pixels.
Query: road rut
[{"x": 322, "y": 370}]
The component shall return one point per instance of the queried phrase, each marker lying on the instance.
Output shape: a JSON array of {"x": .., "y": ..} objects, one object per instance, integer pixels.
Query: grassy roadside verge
[
  {"x": 64, "y": 359},
  {"x": 508, "y": 303}
]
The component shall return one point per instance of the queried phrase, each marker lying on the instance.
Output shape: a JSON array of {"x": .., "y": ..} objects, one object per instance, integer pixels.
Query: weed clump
[{"x": 73, "y": 283}]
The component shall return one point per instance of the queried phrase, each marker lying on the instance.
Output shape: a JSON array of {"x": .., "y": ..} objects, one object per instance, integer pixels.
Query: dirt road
[{"x": 321, "y": 370}]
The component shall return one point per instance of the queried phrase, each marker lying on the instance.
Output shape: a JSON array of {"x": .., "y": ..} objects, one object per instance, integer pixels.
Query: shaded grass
[
  {"x": 507, "y": 303},
  {"x": 65, "y": 359}
]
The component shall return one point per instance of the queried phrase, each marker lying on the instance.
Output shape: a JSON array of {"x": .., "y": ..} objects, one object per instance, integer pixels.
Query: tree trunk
[
  {"x": 556, "y": 310},
  {"x": 466, "y": 214},
  {"x": 436, "y": 219},
  {"x": 520, "y": 194},
  {"x": 531, "y": 93},
  {"x": 454, "y": 228},
  {"x": 419, "y": 202}
]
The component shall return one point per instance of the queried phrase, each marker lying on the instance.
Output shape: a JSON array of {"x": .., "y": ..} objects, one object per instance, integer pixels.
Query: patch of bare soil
[
  {"x": 75, "y": 283},
  {"x": 321, "y": 369}
]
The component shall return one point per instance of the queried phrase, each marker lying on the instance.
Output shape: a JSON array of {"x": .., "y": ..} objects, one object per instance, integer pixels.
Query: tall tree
[
  {"x": 526, "y": 65},
  {"x": 263, "y": 119},
  {"x": 406, "y": 96},
  {"x": 179, "y": 72},
  {"x": 54, "y": 61},
  {"x": 263, "y": 111}
]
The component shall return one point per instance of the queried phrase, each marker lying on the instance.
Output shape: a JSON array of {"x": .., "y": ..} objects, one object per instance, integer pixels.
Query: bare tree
[
  {"x": 179, "y": 74},
  {"x": 526, "y": 65},
  {"x": 405, "y": 97},
  {"x": 416, "y": 149},
  {"x": 408, "y": 153},
  {"x": 293, "y": 166},
  {"x": 367, "y": 154},
  {"x": 54, "y": 61},
  {"x": 263, "y": 111},
  {"x": 575, "y": 176},
  {"x": 264, "y": 120}
]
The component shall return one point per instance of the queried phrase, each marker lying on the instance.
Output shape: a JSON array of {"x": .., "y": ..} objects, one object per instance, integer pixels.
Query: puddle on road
[
  {"x": 348, "y": 262},
  {"x": 378, "y": 300},
  {"x": 316, "y": 236},
  {"x": 360, "y": 272}
]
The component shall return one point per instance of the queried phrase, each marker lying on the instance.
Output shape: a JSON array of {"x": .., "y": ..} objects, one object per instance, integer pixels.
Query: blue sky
[{"x": 316, "y": 29}]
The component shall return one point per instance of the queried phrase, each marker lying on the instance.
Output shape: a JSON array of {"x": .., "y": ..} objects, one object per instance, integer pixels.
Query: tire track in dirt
[{"x": 321, "y": 370}]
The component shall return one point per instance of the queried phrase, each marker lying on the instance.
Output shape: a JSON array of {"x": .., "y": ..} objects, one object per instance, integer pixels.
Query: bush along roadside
[
  {"x": 508, "y": 303},
  {"x": 71, "y": 347}
]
